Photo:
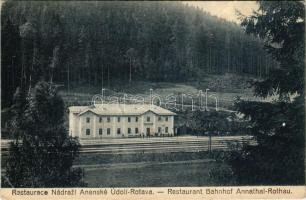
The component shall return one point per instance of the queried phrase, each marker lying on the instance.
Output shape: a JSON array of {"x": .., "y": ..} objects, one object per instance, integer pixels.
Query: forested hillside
[{"x": 93, "y": 43}]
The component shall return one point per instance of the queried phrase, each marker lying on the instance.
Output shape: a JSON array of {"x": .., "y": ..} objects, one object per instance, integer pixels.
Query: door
[{"x": 148, "y": 131}]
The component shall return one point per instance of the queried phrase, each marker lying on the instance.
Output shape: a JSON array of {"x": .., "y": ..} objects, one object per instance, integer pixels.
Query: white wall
[{"x": 78, "y": 125}]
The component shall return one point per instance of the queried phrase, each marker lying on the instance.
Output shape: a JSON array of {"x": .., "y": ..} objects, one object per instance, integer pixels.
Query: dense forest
[{"x": 93, "y": 43}]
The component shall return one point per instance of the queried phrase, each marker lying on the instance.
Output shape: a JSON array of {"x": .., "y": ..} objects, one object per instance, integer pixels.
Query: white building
[{"x": 120, "y": 120}]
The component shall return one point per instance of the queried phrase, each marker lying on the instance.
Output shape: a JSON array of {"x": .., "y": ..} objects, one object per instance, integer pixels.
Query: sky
[
  {"x": 226, "y": 9},
  {"x": 222, "y": 9}
]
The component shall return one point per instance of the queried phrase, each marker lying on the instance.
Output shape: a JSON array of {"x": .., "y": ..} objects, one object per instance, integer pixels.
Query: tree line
[{"x": 95, "y": 43}]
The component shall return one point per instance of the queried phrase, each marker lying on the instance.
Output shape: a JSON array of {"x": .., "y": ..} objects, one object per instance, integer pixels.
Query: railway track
[{"x": 157, "y": 145}]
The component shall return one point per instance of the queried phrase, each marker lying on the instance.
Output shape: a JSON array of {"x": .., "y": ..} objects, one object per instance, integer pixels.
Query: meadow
[
  {"x": 226, "y": 88},
  {"x": 147, "y": 170}
]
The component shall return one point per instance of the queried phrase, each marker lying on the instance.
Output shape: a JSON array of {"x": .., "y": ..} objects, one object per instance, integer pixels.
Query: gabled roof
[{"x": 120, "y": 109}]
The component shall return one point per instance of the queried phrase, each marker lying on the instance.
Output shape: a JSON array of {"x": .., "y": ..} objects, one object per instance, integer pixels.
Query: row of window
[
  {"x": 129, "y": 119},
  {"x": 129, "y": 130},
  {"x": 108, "y": 130}
]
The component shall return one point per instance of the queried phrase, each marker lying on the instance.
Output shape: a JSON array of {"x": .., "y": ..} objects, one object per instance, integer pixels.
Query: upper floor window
[
  {"x": 166, "y": 119},
  {"x": 100, "y": 131},
  {"x": 159, "y": 118},
  {"x": 108, "y": 131},
  {"x": 100, "y": 119},
  {"x": 87, "y": 119},
  {"x": 148, "y": 119},
  {"x": 129, "y": 131},
  {"x": 166, "y": 129},
  {"x": 136, "y": 119},
  {"x": 88, "y": 131},
  {"x": 118, "y": 130},
  {"x": 108, "y": 119},
  {"x": 129, "y": 119},
  {"x": 118, "y": 119}
]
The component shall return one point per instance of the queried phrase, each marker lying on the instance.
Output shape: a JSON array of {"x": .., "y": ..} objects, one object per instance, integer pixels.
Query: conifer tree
[
  {"x": 42, "y": 153},
  {"x": 277, "y": 126}
]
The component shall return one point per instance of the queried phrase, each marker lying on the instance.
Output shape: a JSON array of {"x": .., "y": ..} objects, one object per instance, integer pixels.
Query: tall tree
[
  {"x": 9, "y": 61},
  {"x": 131, "y": 55},
  {"x": 278, "y": 126},
  {"x": 54, "y": 62},
  {"x": 42, "y": 153}
]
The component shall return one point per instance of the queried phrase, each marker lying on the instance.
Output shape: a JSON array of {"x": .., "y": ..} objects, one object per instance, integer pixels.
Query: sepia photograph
[{"x": 144, "y": 94}]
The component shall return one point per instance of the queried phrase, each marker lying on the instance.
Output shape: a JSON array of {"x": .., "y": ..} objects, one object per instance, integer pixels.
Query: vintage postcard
[{"x": 152, "y": 100}]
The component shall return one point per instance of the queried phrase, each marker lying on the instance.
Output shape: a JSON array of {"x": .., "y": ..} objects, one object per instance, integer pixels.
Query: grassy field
[
  {"x": 161, "y": 174},
  {"x": 226, "y": 87},
  {"x": 148, "y": 169},
  {"x": 101, "y": 159}
]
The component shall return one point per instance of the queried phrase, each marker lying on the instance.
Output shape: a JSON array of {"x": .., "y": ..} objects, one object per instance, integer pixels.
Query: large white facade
[{"x": 119, "y": 120}]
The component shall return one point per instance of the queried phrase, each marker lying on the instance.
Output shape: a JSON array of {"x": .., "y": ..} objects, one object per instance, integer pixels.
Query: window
[
  {"x": 100, "y": 119},
  {"x": 87, "y": 119},
  {"x": 87, "y": 131},
  {"x": 136, "y": 130},
  {"x": 166, "y": 119},
  {"x": 118, "y": 130},
  {"x": 108, "y": 119},
  {"x": 159, "y": 118},
  {"x": 118, "y": 119},
  {"x": 148, "y": 119},
  {"x": 159, "y": 129},
  {"x": 108, "y": 131},
  {"x": 166, "y": 129},
  {"x": 100, "y": 131},
  {"x": 129, "y": 119},
  {"x": 136, "y": 119},
  {"x": 129, "y": 130}
]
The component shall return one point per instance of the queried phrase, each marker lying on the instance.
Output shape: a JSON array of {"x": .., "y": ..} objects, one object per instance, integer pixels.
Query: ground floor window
[
  {"x": 100, "y": 131},
  {"x": 136, "y": 130},
  {"x": 108, "y": 131},
  {"x": 159, "y": 129},
  {"x": 118, "y": 130},
  {"x": 88, "y": 131},
  {"x": 166, "y": 129},
  {"x": 129, "y": 130}
]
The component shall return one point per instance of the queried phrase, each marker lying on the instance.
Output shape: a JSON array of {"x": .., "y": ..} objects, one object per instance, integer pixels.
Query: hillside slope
[{"x": 225, "y": 87}]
